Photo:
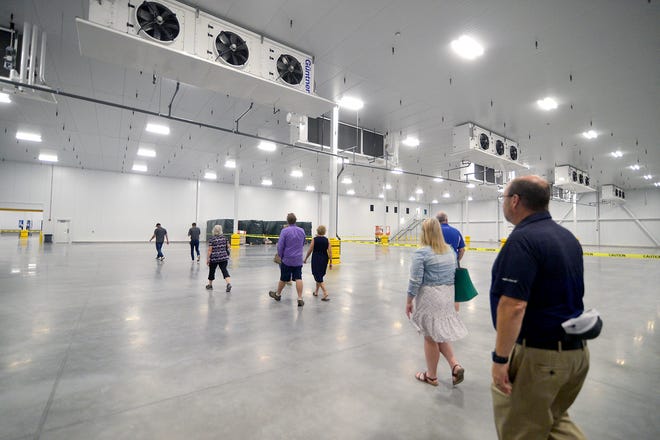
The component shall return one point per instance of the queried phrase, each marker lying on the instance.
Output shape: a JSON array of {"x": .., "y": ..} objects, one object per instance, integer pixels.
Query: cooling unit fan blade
[
  {"x": 157, "y": 21},
  {"x": 232, "y": 48},
  {"x": 289, "y": 69}
]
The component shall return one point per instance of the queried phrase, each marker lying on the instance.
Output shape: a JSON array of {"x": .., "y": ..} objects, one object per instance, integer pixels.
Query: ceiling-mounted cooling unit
[
  {"x": 164, "y": 21},
  {"x": 287, "y": 66},
  {"x": 228, "y": 44},
  {"x": 612, "y": 193},
  {"x": 477, "y": 144},
  {"x": 573, "y": 179}
]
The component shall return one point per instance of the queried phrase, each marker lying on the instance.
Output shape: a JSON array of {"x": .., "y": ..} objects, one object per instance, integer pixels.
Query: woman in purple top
[
  {"x": 290, "y": 249},
  {"x": 218, "y": 255}
]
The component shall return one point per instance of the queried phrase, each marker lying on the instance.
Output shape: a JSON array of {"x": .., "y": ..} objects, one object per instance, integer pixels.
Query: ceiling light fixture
[
  {"x": 434, "y": 201},
  {"x": 467, "y": 47},
  {"x": 470, "y": 198},
  {"x": 158, "y": 129},
  {"x": 296, "y": 173},
  {"x": 266, "y": 182},
  {"x": 140, "y": 167},
  {"x": 410, "y": 141},
  {"x": 648, "y": 177},
  {"x": 350, "y": 192},
  {"x": 634, "y": 167},
  {"x": 347, "y": 180},
  {"x": 591, "y": 134},
  {"x": 397, "y": 171},
  {"x": 230, "y": 163},
  {"x": 656, "y": 183},
  {"x": 446, "y": 195},
  {"x": 350, "y": 103},
  {"x": 210, "y": 175},
  {"x": 381, "y": 196},
  {"x": 617, "y": 153},
  {"x": 419, "y": 191},
  {"x": 48, "y": 157},
  {"x": 4, "y": 98},
  {"x": 24, "y": 136},
  {"x": 547, "y": 103},
  {"x": 309, "y": 188},
  {"x": 388, "y": 186},
  {"x": 438, "y": 179},
  {"x": 470, "y": 185},
  {"x": 412, "y": 198},
  {"x": 267, "y": 146},
  {"x": 146, "y": 152}
]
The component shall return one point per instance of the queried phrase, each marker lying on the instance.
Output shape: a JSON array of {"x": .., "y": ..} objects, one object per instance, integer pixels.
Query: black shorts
[{"x": 289, "y": 273}]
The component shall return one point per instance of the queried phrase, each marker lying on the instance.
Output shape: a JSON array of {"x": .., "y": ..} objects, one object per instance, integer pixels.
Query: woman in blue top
[{"x": 430, "y": 305}]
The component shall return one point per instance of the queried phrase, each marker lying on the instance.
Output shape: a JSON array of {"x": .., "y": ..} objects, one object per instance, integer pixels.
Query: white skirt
[{"x": 434, "y": 314}]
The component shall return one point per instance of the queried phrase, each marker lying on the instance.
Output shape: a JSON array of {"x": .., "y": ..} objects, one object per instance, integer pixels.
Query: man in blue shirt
[
  {"x": 290, "y": 249},
  {"x": 537, "y": 283},
  {"x": 452, "y": 236}
]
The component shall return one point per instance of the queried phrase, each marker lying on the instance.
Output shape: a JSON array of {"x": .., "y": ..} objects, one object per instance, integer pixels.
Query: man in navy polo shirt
[
  {"x": 537, "y": 283},
  {"x": 452, "y": 236}
]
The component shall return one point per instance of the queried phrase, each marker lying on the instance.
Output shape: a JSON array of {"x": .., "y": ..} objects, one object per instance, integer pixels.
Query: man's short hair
[
  {"x": 157, "y": 224},
  {"x": 534, "y": 194},
  {"x": 194, "y": 224},
  {"x": 442, "y": 217},
  {"x": 291, "y": 218}
]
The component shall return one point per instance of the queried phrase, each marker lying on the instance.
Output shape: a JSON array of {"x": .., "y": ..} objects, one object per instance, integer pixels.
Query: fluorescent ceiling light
[
  {"x": 139, "y": 167},
  {"x": 350, "y": 103},
  {"x": 656, "y": 183},
  {"x": 634, "y": 167},
  {"x": 617, "y": 153},
  {"x": 467, "y": 47},
  {"x": 146, "y": 152},
  {"x": 310, "y": 188},
  {"x": 157, "y": 128},
  {"x": 24, "y": 136},
  {"x": 648, "y": 177},
  {"x": 211, "y": 175},
  {"x": 4, "y": 98},
  {"x": 470, "y": 185},
  {"x": 397, "y": 171},
  {"x": 267, "y": 146},
  {"x": 48, "y": 157},
  {"x": 347, "y": 180},
  {"x": 296, "y": 173},
  {"x": 438, "y": 179},
  {"x": 410, "y": 141},
  {"x": 230, "y": 163},
  {"x": 419, "y": 191},
  {"x": 591, "y": 134},
  {"x": 412, "y": 198},
  {"x": 381, "y": 196},
  {"x": 446, "y": 195},
  {"x": 469, "y": 198},
  {"x": 266, "y": 182},
  {"x": 388, "y": 186},
  {"x": 434, "y": 201},
  {"x": 350, "y": 192},
  {"x": 547, "y": 103}
]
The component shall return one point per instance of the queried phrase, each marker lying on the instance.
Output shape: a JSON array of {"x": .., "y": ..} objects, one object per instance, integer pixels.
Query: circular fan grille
[
  {"x": 157, "y": 21},
  {"x": 499, "y": 147},
  {"x": 574, "y": 176},
  {"x": 484, "y": 142},
  {"x": 232, "y": 48},
  {"x": 289, "y": 69},
  {"x": 586, "y": 180},
  {"x": 513, "y": 152}
]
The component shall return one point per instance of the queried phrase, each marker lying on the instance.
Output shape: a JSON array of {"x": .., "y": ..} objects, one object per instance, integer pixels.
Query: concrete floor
[{"x": 101, "y": 341}]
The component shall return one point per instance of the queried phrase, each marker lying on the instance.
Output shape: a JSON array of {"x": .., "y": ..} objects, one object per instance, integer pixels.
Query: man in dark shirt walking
[
  {"x": 193, "y": 233},
  {"x": 537, "y": 283},
  {"x": 160, "y": 234}
]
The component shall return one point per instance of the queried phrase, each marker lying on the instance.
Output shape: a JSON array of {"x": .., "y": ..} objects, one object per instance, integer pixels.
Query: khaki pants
[{"x": 545, "y": 384}]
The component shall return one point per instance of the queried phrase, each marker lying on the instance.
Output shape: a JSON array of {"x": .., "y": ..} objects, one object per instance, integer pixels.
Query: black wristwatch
[{"x": 500, "y": 359}]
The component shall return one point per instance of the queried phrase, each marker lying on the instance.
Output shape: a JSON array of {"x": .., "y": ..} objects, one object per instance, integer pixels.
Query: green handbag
[{"x": 463, "y": 288}]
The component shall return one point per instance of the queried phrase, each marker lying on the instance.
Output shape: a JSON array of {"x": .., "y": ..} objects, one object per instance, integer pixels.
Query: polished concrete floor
[{"x": 101, "y": 341}]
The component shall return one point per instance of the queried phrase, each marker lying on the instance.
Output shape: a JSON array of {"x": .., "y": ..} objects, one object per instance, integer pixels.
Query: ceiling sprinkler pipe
[
  {"x": 42, "y": 59},
  {"x": 24, "y": 51}
]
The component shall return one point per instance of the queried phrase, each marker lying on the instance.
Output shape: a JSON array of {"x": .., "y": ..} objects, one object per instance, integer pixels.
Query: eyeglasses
[{"x": 502, "y": 197}]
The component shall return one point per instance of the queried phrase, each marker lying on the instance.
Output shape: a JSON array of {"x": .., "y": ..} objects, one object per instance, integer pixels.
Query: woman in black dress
[{"x": 321, "y": 256}]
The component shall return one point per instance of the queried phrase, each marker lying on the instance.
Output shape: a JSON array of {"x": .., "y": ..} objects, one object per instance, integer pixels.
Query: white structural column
[
  {"x": 236, "y": 178},
  {"x": 332, "y": 174},
  {"x": 197, "y": 188}
]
